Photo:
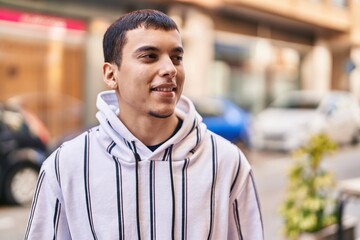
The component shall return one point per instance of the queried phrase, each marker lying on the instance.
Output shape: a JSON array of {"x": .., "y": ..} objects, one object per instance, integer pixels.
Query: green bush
[{"x": 309, "y": 203}]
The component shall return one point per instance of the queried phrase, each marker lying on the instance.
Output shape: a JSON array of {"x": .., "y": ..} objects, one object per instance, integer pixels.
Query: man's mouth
[{"x": 163, "y": 89}]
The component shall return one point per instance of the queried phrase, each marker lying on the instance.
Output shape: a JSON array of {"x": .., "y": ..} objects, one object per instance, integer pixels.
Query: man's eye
[
  {"x": 177, "y": 59},
  {"x": 149, "y": 56}
]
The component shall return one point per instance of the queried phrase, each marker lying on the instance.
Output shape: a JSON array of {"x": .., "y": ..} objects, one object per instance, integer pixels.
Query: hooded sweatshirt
[{"x": 106, "y": 184}]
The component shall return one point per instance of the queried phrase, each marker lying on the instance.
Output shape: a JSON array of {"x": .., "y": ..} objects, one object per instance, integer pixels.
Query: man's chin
[{"x": 160, "y": 115}]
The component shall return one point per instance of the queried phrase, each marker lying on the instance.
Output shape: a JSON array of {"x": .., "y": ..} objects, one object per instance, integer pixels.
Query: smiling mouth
[{"x": 163, "y": 89}]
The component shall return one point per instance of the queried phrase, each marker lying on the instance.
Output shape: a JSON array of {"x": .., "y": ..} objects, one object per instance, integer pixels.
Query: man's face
[{"x": 151, "y": 75}]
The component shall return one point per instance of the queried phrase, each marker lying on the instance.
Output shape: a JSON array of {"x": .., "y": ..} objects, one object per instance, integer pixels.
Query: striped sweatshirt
[{"x": 105, "y": 184}]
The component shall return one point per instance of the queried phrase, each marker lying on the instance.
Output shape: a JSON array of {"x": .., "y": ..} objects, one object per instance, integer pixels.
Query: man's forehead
[
  {"x": 150, "y": 36},
  {"x": 151, "y": 33}
]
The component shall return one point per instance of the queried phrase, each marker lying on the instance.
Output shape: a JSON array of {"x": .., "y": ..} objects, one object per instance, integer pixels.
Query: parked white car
[{"x": 292, "y": 118}]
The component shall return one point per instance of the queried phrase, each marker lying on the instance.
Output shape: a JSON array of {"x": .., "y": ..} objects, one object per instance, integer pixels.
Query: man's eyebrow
[
  {"x": 146, "y": 49},
  {"x": 155, "y": 49},
  {"x": 178, "y": 50}
]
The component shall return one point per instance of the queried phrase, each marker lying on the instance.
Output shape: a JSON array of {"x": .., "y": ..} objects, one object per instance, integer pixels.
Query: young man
[{"x": 151, "y": 169}]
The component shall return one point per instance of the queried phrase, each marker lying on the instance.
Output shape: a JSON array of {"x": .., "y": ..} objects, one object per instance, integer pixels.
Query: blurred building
[{"x": 246, "y": 50}]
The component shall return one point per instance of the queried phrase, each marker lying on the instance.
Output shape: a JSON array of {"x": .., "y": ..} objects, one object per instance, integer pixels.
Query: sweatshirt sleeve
[
  {"x": 47, "y": 218},
  {"x": 245, "y": 219}
]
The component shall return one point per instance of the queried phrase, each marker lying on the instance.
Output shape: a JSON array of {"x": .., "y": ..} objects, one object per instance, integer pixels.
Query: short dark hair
[{"x": 115, "y": 36}]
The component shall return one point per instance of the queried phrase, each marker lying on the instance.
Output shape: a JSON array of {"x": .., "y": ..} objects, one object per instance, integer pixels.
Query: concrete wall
[{"x": 316, "y": 68}]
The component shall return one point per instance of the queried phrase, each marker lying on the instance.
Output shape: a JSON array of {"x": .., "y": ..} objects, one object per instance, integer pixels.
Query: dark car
[
  {"x": 23, "y": 148},
  {"x": 225, "y": 118}
]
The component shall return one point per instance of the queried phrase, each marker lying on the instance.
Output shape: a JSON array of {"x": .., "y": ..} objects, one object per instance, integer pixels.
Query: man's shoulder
[
  {"x": 223, "y": 144},
  {"x": 228, "y": 152},
  {"x": 70, "y": 152},
  {"x": 79, "y": 141},
  {"x": 74, "y": 144}
]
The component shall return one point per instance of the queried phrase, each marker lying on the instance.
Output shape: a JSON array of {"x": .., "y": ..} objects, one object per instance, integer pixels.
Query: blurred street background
[{"x": 264, "y": 74}]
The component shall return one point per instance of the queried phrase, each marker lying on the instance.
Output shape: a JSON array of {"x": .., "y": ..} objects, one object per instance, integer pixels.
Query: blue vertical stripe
[
  {"x": 34, "y": 203},
  {"x": 56, "y": 217},
  {"x": 212, "y": 197},
  {"x": 87, "y": 184},
  {"x": 257, "y": 199},
  {"x": 57, "y": 169},
  {"x": 236, "y": 175},
  {"x": 110, "y": 147},
  {"x": 119, "y": 194},
  {"x": 184, "y": 200},
  {"x": 172, "y": 193},
  {"x": 237, "y": 219},
  {"x": 165, "y": 156},
  {"x": 137, "y": 160},
  {"x": 198, "y": 138},
  {"x": 119, "y": 199},
  {"x": 152, "y": 200}
]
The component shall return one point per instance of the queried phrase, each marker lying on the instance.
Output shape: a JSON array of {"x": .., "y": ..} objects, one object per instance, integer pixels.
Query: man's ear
[{"x": 109, "y": 75}]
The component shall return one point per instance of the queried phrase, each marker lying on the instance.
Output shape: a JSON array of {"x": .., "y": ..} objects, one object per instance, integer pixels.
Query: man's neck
[
  {"x": 151, "y": 130},
  {"x": 178, "y": 126}
]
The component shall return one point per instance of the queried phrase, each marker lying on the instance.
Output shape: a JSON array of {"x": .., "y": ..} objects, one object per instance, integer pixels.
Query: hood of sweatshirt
[{"x": 121, "y": 143}]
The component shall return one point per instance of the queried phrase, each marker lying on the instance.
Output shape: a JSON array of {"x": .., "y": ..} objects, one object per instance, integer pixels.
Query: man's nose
[{"x": 167, "y": 68}]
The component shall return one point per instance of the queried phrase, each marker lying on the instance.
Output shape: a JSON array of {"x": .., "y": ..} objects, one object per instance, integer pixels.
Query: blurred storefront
[
  {"x": 248, "y": 51},
  {"x": 41, "y": 66}
]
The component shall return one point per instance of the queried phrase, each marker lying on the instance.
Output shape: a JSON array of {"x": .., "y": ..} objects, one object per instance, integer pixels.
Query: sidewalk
[{"x": 271, "y": 181}]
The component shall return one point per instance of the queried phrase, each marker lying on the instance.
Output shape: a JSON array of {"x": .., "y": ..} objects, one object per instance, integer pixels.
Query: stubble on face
[{"x": 158, "y": 115}]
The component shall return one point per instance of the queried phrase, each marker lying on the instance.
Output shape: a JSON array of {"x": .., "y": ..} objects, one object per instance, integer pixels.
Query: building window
[
  {"x": 340, "y": 3},
  {"x": 252, "y": 71}
]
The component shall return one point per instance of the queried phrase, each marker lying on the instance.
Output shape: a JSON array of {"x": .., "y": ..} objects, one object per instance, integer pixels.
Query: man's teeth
[{"x": 164, "y": 89}]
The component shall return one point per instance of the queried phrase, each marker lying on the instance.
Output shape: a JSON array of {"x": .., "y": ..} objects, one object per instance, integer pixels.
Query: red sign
[{"x": 39, "y": 19}]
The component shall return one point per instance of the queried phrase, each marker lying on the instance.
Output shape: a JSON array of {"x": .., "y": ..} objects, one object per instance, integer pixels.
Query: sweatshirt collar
[{"x": 114, "y": 129}]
